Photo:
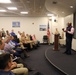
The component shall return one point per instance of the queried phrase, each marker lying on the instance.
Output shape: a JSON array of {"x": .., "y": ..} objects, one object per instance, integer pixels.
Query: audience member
[
  {"x": 37, "y": 42},
  {"x": 5, "y": 64},
  {"x": 17, "y": 59},
  {"x": 3, "y": 33},
  {"x": 7, "y": 33},
  {"x": 19, "y": 34}
]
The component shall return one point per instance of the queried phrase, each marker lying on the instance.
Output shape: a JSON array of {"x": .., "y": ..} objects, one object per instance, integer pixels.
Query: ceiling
[{"x": 39, "y": 7}]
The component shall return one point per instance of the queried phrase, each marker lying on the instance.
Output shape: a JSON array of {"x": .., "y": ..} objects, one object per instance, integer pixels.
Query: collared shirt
[{"x": 8, "y": 48}]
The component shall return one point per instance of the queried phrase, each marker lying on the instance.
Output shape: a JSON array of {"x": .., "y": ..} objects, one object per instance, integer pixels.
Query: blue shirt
[
  {"x": 6, "y": 72},
  {"x": 13, "y": 34}
]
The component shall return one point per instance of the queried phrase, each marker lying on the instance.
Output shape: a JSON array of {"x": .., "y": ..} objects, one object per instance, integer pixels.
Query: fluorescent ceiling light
[
  {"x": 50, "y": 14},
  {"x": 24, "y": 12},
  {"x": 2, "y": 10},
  {"x": 12, "y": 8},
  {"x": 5, "y": 1}
]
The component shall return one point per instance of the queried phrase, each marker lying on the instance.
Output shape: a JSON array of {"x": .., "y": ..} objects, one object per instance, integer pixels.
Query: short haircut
[
  {"x": 69, "y": 23},
  {"x": 4, "y": 59}
]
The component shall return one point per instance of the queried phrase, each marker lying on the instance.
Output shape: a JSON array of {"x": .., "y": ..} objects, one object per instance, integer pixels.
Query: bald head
[{"x": 7, "y": 39}]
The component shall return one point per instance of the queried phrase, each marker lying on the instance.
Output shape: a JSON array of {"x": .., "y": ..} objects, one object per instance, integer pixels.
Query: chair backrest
[{"x": 45, "y": 37}]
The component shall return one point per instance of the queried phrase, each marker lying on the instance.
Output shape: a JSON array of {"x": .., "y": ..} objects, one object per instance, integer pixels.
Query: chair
[{"x": 45, "y": 39}]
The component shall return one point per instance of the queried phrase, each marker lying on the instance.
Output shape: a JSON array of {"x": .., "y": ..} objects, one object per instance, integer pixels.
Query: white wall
[
  {"x": 67, "y": 19},
  {"x": 74, "y": 44},
  {"x": 26, "y": 24},
  {"x": 58, "y": 24}
]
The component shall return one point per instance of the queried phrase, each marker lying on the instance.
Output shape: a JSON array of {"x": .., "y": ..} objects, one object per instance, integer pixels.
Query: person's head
[
  {"x": 12, "y": 37},
  {"x": 69, "y": 24},
  {"x": 7, "y": 32},
  {"x": 7, "y": 39},
  {"x": 19, "y": 32},
  {"x": 27, "y": 35},
  {"x": 2, "y": 29},
  {"x": 56, "y": 29},
  {"x": 2, "y": 44},
  {"x": 5, "y": 61},
  {"x": 12, "y": 30}
]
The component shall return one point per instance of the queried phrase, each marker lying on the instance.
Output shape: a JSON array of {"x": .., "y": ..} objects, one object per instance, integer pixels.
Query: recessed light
[
  {"x": 12, "y": 8},
  {"x": 50, "y": 14},
  {"x": 2, "y": 10},
  {"x": 5, "y": 1},
  {"x": 71, "y": 6},
  {"x": 24, "y": 12}
]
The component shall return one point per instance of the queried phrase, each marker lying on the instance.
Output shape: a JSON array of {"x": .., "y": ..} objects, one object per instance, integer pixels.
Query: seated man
[
  {"x": 25, "y": 40},
  {"x": 18, "y": 69},
  {"x": 5, "y": 64},
  {"x": 7, "y": 67},
  {"x": 10, "y": 47}
]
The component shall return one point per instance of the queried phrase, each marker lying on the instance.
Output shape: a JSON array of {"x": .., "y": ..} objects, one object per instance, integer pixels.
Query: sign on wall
[
  {"x": 15, "y": 24},
  {"x": 42, "y": 27}
]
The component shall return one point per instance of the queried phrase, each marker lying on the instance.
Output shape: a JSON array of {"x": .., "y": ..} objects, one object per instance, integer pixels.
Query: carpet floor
[
  {"x": 38, "y": 61},
  {"x": 64, "y": 62}
]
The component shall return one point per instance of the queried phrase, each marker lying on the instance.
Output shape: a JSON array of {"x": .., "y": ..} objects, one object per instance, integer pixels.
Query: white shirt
[{"x": 72, "y": 31}]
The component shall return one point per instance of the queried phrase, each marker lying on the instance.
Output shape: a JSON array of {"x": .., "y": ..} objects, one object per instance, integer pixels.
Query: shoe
[{"x": 69, "y": 53}]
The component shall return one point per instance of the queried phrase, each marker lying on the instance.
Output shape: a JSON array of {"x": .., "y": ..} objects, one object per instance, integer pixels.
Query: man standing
[{"x": 69, "y": 35}]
